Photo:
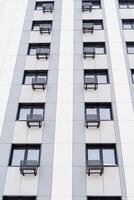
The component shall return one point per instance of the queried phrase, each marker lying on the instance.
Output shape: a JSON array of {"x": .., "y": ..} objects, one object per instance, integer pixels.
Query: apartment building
[{"x": 67, "y": 99}]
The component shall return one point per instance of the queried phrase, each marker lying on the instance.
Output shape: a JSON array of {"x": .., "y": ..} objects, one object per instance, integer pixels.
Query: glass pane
[
  {"x": 99, "y": 50},
  {"x": 108, "y": 156},
  {"x": 91, "y": 111},
  {"x": 102, "y": 78},
  {"x": 18, "y": 155},
  {"x": 28, "y": 79},
  {"x": 97, "y": 26},
  {"x": 133, "y": 78},
  {"x": 123, "y": 6},
  {"x": 105, "y": 114},
  {"x": 36, "y": 27},
  {"x": 96, "y": 6},
  {"x": 93, "y": 154},
  {"x": 33, "y": 154},
  {"x": 32, "y": 51},
  {"x": 131, "y": 5},
  {"x": 127, "y": 26},
  {"x": 130, "y": 49},
  {"x": 23, "y": 113},
  {"x": 38, "y": 111}
]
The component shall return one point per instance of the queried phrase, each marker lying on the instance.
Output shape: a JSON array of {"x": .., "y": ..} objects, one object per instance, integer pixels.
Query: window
[
  {"x": 104, "y": 198},
  {"x": 102, "y": 110},
  {"x": 30, "y": 75},
  {"x": 99, "y": 47},
  {"x": 101, "y": 76},
  {"x": 19, "y": 198},
  {"x": 95, "y": 3},
  {"x": 24, "y": 152},
  {"x": 29, "y": 109},
  {"x": 97, "y": 24},
  {"x": 39, "y": 5},
  {"x": 37, "y": 25},
  {"x": 128, "y": 24},
  {"x": 130, "y": 47},
  {"x": 126, "y": 3},
  {"x": 132, "y": 73},
  {"x": 105, "y": 153},
  {"x": 32, "y": 50}
]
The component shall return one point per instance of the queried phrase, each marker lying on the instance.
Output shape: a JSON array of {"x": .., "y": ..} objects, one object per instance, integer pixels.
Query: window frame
[
  {"x": 97, "y": 72},
  {"x": 98, "y": 106},
  {"x": 38, "y": 22},
  {"x": 129, "y": 45},
  {"x": 19, "y": 197},
  {"x": 126, "y": 3},
  {"x": 129, "y": 22},
  {"x": 30, "y": 106},
  {"x": 95, "y": 22},
  {"x": 35, "y": 74},
  {"x": 132, "y": 75},
  {"x": 101, "y": 147},
  {"x": 95, "y": 45},
  {"x": 26, "y": 148},
  {"x": 103, "y": 198},
  {"x": 40, "y": 3},
  {"x": 93, "y": 3},
  {"x": 35, "y": 46}
]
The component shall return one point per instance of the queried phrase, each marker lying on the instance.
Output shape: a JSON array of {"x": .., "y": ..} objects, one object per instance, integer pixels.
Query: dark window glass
[
  {"x": 39, "y": 4},
  {"x": 126, "y": 3},
  {"x": 130, "y": 47},
  {"x": 26, "y": 109},
  {"x": 132, "y": 73},
  {"x": 128, "y": 24},
  {"x": 36, "y": 25},
  {"x": 24, "y": 152},
  {"x": 106, "y": 153},
  {"x": 97, "y": 24},
  {"x": 96, "y": 4},
  {"x": 102, "y": 75},
  {"x": 33, "y": 47},
  {"x": 104, "y": 198},
  {"x": 104, "y": 110},
  {"x": 99, "y": 47},
  {"x": 19, "y": 198},
  {"x": 29, "y": 75}
]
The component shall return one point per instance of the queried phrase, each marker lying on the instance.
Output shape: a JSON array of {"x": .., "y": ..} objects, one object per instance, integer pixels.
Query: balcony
[
  {"x": 47, "y": 7},
  {"x": 28, "y": 167},
  {"x": 42, "y": 53},
  {"x": 86, "y": 6},
  {"x": 94, "y": 167},
  {"x": 89, "y": 52},
  {"x": 88, "y": 28},
  {"x": 45, "y": 29},
  {"x": 92, "y": 120},
  {"x": 39, "y": 83},
  {"x": 34, "y": 120},
  {"x": 91, "y": 82}
]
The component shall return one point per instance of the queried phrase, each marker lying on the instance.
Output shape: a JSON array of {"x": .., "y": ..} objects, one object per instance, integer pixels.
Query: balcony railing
[
  {"x": 88, "y": 28},
  {"x": 28, "y": 167},
  {"x": 45, "y": 28},
  {"x": 91, "y": 82},
  {"x": 42, "y": 53},
  {"x": 95, "y": 167},
  {"x": 92, "y": 120},
  {"x": 39, "y": 83},
  {"x": 89, "y": 52},
  {"x": 34, "y": 120},
  {"x": 47, "y": 7},
  {"x": 87, "y": 6}
]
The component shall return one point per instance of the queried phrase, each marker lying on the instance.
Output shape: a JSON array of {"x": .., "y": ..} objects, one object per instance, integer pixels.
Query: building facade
[{"x": 67, "y": 99}]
